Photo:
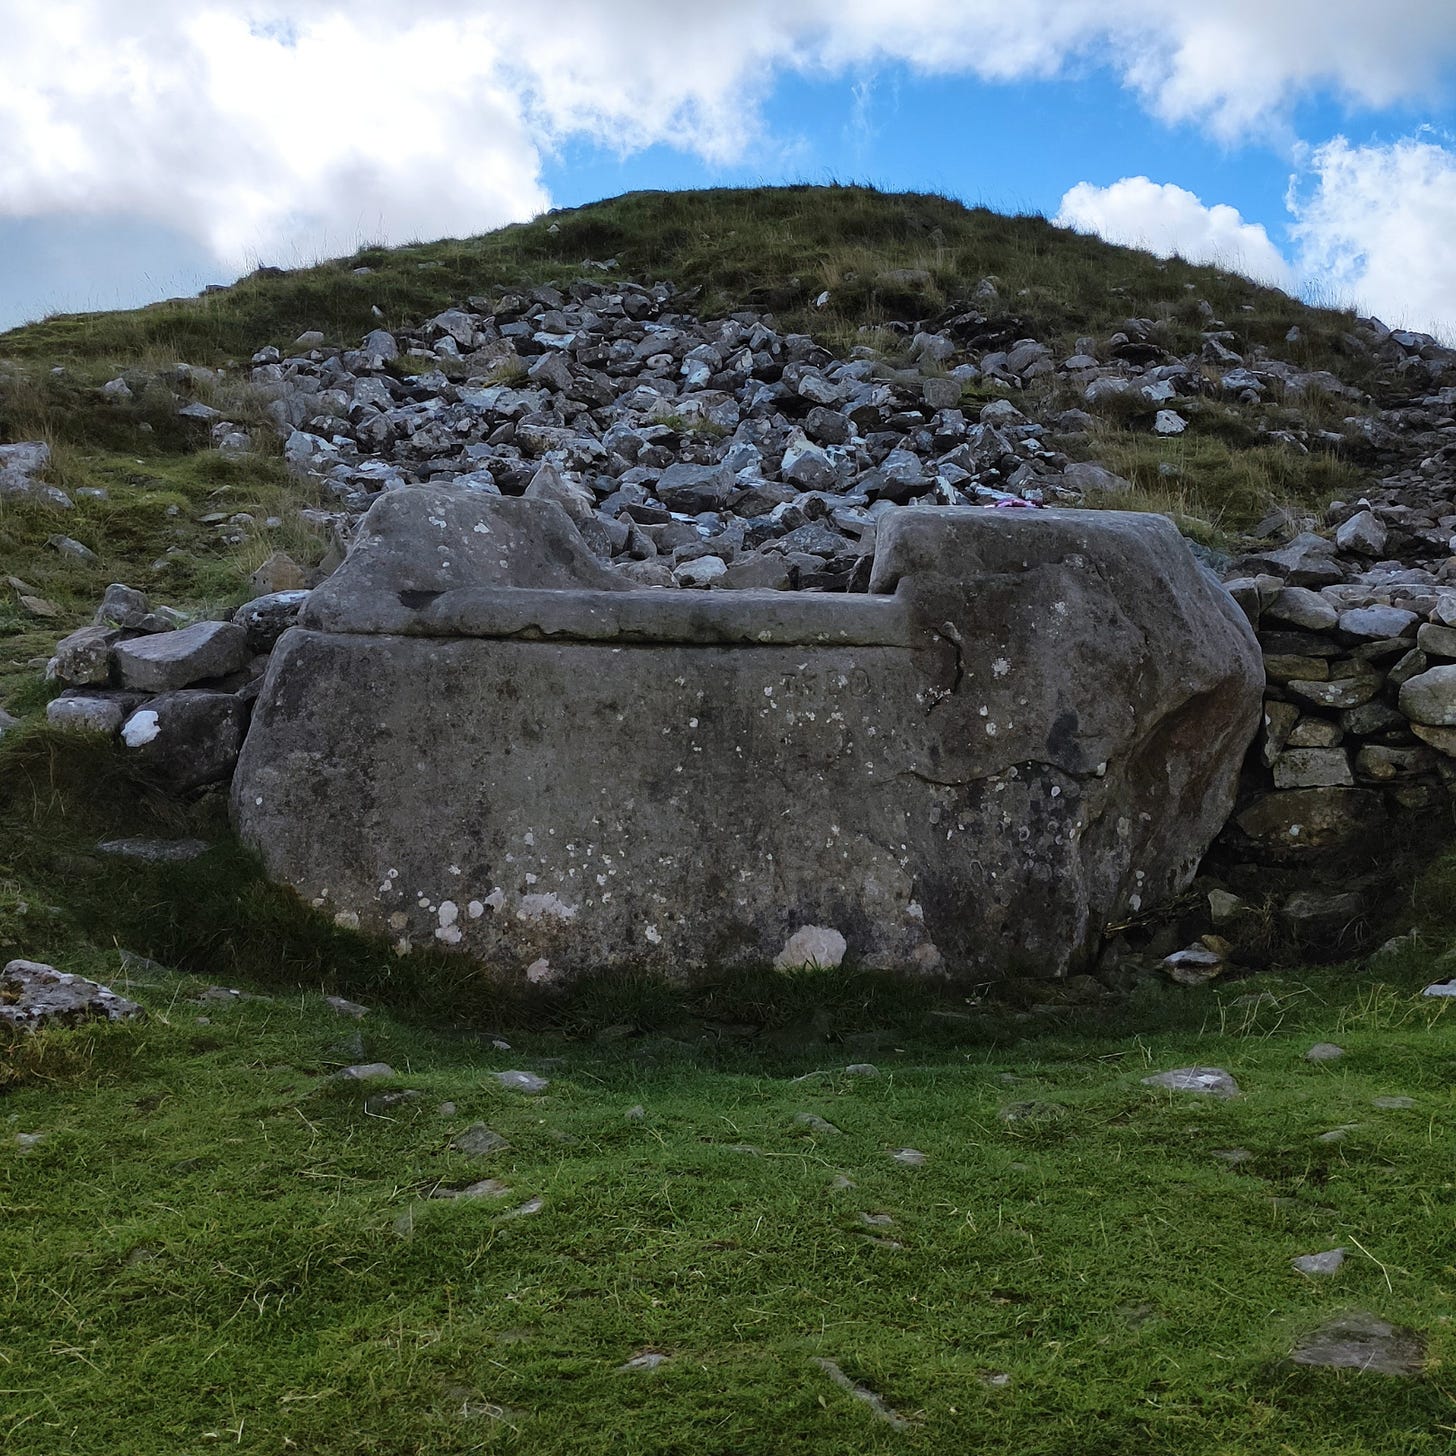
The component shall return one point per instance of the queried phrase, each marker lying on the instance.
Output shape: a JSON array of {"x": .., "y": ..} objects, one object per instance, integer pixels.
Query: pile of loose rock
[{"x": 722, "y": 454}]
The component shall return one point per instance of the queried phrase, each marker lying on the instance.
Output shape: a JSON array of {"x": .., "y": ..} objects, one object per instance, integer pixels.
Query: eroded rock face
[{"x": 1031, "y": 726}]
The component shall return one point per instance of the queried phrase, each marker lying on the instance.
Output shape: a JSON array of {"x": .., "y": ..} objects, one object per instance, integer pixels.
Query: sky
[{"x": 152, "y": 148}]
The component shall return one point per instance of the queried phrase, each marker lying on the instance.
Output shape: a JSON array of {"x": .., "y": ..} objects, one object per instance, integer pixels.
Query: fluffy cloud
[
  {"x": 1166, "y": 219},
  {"x": 274, "y": 126},
  {"x": 1371, "y": 228},
  {"x": 1374, "y": 225}
]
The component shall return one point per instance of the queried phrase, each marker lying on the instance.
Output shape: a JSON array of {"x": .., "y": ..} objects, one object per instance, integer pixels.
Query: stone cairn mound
[{"x": 720, "y": 454}]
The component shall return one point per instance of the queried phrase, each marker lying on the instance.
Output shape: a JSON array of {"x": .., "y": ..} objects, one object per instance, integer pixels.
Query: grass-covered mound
[{"x": 213, "y": 1243}]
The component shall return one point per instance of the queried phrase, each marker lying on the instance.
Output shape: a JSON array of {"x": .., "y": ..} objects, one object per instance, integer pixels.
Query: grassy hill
[
  {"x": 772, "y": 249},
  {"x": 215, "y": 1241}
]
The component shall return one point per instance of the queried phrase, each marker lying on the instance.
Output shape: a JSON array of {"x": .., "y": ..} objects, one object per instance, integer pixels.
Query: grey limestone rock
[
  {"x": 166, "y": 661},
  {"x": 1073, "y": 677},
  {"x": 154, "y": 851},
  {"x": 266, "y": 618},
  {"x": 1208, "y": 1081},
  {"x": 1364, "y": 1342},
  {"x": 1430, "y": 697},
  {"x": 1364, "y": 533},
  {"x": 188, "y": 739},
  {"x": 83, "y": 658},
  {"x": 20, "y": 469},
  {"x": 91, "y": 711},
  {"x": 33, "y": 995},
  {"x": 366, "y": 1072},
  {"x": 1328, "y": 1262}
]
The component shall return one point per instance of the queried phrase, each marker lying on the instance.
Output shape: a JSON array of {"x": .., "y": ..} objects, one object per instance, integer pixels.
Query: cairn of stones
[{"x": 719, "y": 454}]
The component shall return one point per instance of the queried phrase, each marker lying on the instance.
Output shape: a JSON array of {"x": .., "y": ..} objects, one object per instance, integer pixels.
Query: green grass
[
  {"x": 775, "y": 248},
  {"x": 216, "y": 1245}
]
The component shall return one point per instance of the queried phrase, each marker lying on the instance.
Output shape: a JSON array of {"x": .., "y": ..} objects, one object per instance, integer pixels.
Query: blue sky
[{"x": 147, "y": 153}]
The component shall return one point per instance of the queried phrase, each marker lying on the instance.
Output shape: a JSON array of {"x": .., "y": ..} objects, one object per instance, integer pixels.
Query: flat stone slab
[
  {"x": 165, "y": 661},
  {"x": 479, "y": 738},
  {"x": 1362, "y": 1341},
  {"x": 1209, "y": 1081},
  {"x": 33, "y": 995}
]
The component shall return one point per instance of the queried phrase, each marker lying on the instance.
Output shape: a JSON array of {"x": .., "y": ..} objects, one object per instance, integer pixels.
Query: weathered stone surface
[
  {"x": 154, "y": 851},
  {"x": 265, "y": 619},
  {"x": 1364, "y": 533},
  {"x": 1297, "y": 823},
  {"x": 33, "y": 995},
  {"x": 1207, "y": 1081},
  {"x": 1030, "y": 727},
  {"x": 1361, "y": 1341},
  {"x": 83, "y": 658},
  {"x": 165, "y": 661},
  {"x": 1328, "y": 1262},
  {"x": 20, "y": 468},
  {"x": 95, "y": 711},
  {"x": 188, "y": 739},
  {"x": 1430, "y": 697},
  {"x": 1312, "y": 768}
]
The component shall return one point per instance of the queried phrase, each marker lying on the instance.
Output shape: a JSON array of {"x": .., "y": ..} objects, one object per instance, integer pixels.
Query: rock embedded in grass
[
  {"x": 478, "y": 1141},
  {"x": 1364, "y": 1342},
  {"x": 1324, "y": 1051},
  {"x": 1328, "y": 1262},
  {"x": 815, "y": 1123},
  {"x": 484, "y": 1188},
  {"x": 35, "y": 995},
  {"x": 528, "y": 1082},
  {"x": 1206, "y": 1081},
  {"x": 648, "y": 1360},
  {"x": 154, "y": 851},
  {"x": 366, "y": 1072}
]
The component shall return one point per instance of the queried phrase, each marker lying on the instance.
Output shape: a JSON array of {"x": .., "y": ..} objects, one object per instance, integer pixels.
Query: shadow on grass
[{"x": 218, "y": 918}]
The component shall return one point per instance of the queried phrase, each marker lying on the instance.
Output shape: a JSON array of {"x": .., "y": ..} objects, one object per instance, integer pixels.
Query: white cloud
[
  {"x": 1374, "y": 225},
  {"x": 1372, "y": 229},
  {"x": 1166, "y": 220},
  {"x": 281, "y": 130}
]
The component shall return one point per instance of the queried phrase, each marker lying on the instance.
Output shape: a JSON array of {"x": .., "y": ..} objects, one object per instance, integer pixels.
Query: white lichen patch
[
  {"x": 347, "y": 920},
  {"x": 540, "y": 973},
  {"x": 447, "y": 930},
  {"x": 653, "y": 934},
  {"x": 1000, "y": 667},
  {"x": 141, "y": 728},
  {"x": 547, "y": 906}
]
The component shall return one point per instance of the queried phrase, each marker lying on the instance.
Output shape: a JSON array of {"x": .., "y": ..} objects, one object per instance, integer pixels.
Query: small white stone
[
  {"x": 141, "y": 728},
  {"x": 812, "y": 945}
]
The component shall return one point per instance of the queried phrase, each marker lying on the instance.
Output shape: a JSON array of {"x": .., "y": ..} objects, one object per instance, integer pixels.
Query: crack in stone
[
  {"x": 1024, "y": 763},
  {"x": 949, "y": 633}
]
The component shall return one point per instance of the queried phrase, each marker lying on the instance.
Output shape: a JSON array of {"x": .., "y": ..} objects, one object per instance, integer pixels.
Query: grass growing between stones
[{"x": 214, "y": 1242}]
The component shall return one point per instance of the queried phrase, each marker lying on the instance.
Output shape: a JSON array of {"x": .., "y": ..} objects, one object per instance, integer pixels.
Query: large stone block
[{"x": 480, "y": 738}]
